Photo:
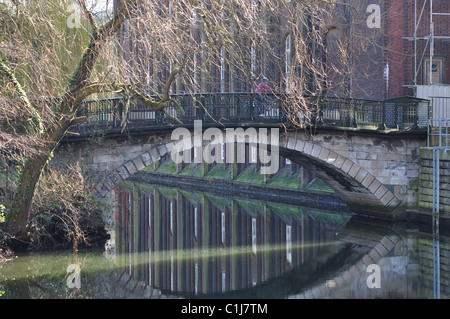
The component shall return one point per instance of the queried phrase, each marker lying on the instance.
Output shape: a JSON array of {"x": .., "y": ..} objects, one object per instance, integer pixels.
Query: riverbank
[{"x": 65, "y": 213}]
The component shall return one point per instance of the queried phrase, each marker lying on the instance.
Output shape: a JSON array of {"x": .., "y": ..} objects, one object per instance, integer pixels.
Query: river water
[{"x": 174, "y": 243}]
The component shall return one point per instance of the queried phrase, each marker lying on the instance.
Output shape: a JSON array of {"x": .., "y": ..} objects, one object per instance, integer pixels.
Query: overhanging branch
[{"x": 23, "y": 95}]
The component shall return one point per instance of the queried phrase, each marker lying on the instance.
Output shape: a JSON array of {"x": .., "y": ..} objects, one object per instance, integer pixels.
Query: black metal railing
[{"x": 228, "y": 108}]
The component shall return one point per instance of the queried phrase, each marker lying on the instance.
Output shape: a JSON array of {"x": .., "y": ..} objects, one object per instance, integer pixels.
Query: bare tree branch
[
  {"x": 89, "y": 15},
  {"x": 23, "y": 95}
]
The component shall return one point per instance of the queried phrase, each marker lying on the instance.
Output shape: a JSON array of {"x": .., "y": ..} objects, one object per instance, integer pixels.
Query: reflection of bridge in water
[
  {"x": 309, "y": 254},
  {"x": 200, "y": 244}
]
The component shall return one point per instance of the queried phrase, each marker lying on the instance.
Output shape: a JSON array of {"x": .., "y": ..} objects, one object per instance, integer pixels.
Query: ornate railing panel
[{"x": 228, "y": 108}]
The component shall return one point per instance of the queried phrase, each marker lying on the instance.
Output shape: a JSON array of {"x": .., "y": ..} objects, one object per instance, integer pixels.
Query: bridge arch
[
  {"x": 333, "y": 158},
  {"x": 363, "y": 192}
]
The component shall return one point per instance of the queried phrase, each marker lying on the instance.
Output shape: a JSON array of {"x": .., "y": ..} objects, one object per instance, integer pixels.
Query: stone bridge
[{"x": 374, "y": 172}]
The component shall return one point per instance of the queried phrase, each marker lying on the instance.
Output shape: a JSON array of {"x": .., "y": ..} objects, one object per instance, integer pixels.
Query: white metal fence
[{"x": 439, "y": 96}]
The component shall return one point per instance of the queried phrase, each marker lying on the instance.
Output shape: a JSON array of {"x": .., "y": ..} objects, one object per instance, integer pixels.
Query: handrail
[{"x": 236, "y": 107}]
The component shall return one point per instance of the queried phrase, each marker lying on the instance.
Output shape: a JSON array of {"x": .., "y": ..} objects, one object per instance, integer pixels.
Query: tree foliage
[{"x": 50, "y": 63}]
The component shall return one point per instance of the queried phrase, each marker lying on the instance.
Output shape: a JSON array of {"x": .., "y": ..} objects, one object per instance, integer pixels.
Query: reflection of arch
[
  {"x": 333, "y": 268},
  {"x": 373, "y": 246}
]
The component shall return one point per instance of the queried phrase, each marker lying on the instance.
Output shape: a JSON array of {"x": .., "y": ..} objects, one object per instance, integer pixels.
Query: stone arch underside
[
  {"x": 360, "y": 190},
  {"x": 356, "y": 186}
]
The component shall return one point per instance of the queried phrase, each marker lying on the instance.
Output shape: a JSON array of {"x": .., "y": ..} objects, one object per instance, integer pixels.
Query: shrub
[{"x": 66, "y": 212}]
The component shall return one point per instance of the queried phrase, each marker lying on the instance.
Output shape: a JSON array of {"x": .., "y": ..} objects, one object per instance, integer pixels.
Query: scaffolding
[
  {"x": 442, "y": 145},
  {"x": 438, "y": 125},
  {"x": 430, "y": 38}
]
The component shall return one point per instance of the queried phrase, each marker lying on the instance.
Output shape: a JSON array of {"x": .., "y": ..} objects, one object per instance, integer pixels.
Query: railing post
[
  {"x": 319, "y": 111},
  {"x": 235, "y": 101},
  {"x": 382, "y": 125},
  {"x": 121, "y": 115},
  {"x": 416, "y": 115}
]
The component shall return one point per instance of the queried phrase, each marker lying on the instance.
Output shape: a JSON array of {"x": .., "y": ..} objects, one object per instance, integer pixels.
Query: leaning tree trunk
[
  {"x": 23, "y": 198},
  {"x": 19, "y": 216}
]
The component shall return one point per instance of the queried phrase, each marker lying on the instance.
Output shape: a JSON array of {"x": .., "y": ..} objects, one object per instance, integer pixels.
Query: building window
[
  {"x": 254, "y": 243},
  {"x": 253, "y": 151},
  {"x": 288, "y": 58},
  {"x": 222, "y": 69},
  {"x": 253, "y": 59},
  {"x": 289, "y": 243},
  {"x": 195, "y": 223},
  {"x": 127, "y": 28}
]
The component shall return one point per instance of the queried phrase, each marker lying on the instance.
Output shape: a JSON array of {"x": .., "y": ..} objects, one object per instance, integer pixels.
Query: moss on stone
[
  {"x": 249, "y": 175},
  {"x": 168, "y": 167},
  {"x": 189, "y": 170},
  {"x": 220, "y": 172},
  {"x": 319, "y": 185},
  {"x": 285, "y": 180}
]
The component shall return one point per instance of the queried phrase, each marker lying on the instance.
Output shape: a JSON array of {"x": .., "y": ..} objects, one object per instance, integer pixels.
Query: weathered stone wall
[
  {"x": 384, "y": 167},
  {"x": 114, "y": 152},
  {"x": 426, "y": 180}
]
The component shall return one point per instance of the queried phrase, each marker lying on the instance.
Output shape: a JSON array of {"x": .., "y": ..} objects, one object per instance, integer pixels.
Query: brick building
[
  {"x": 410, "y": 58},
  {"x": 369, "y": 50},
  {"x": 395, "y": 58}
]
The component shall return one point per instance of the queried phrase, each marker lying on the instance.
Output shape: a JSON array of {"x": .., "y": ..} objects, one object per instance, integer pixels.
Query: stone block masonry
[
  {"x": 374, "y": 173},
  {"x": 426, "y": 180}
]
